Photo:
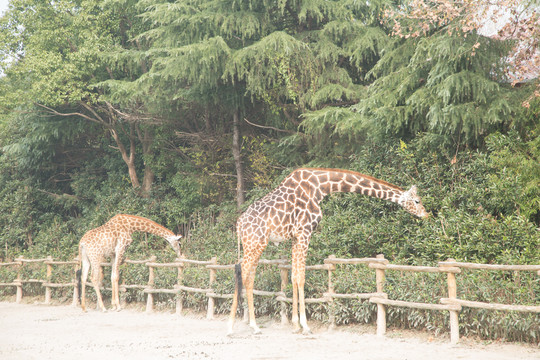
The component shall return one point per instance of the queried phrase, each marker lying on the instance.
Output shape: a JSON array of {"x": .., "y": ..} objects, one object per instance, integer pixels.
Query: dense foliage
[{"x": 185, "y": 112}]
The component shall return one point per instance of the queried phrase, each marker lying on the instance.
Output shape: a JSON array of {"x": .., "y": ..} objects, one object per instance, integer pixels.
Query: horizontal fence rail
[{"x": 380, "y": 265}]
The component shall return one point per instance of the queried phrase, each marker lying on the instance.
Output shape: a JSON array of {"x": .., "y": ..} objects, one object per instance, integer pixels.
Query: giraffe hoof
[{"x": 307, "y": 332}]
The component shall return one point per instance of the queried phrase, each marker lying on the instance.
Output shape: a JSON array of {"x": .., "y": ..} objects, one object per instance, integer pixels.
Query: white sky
[{"x": 3, "y": 5}]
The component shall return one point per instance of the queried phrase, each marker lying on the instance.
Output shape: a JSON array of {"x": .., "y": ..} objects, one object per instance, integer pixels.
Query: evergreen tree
[
  {"x": 448, "y": 86},
  {"x": 269, "y": 60}
]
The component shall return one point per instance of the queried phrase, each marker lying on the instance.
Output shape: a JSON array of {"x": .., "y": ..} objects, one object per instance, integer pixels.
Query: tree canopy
[{"x": 174, "y": 107}]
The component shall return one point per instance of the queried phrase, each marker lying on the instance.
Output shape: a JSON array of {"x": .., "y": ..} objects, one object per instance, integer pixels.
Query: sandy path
[{"x": 64, "y": 332}]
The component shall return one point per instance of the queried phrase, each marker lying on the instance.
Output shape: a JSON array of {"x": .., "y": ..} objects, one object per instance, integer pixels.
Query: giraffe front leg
[
  {"x": 298, "y": 279},
  {"x": 294, "y": 319},
  {"x": 302, "y": 308}
]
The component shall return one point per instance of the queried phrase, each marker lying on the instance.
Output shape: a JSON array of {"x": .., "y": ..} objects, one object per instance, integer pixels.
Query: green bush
[{"x": 475, "y": 218}]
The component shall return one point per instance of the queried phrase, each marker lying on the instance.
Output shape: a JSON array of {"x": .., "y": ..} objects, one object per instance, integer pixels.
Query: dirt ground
[{"x": 33, "y": 331}]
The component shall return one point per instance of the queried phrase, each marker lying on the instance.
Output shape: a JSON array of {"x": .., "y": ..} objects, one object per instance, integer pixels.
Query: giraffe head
[
  {"x": 174, "y": 240},
  {"x": 412, "y": 203}
]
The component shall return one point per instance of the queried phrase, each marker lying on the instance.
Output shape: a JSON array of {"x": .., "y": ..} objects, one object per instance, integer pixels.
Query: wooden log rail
[
  {"x": 448, "y": 269},
  {"x": 46, "y": 283}
]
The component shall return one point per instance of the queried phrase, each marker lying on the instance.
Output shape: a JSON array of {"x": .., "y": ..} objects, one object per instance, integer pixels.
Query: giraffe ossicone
[
  {"x": 111, "y": 240},
  {"x": 292, "y": 211}
]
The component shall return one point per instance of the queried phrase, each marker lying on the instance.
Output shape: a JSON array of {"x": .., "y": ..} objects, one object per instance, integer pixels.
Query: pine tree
[
  {"x": 272, "y": 60},
  {"x": 445, "y": 85}
]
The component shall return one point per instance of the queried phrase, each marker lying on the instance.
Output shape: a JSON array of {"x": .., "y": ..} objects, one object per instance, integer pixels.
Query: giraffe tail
[
  {"x": 78, "y": 273},
  {"x": 238, "y": 282},
  {"x": 79, "y": 285}
]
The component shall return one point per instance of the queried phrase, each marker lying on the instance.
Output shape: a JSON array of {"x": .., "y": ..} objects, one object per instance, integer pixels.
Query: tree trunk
[
  {"x": 148, "y": 177},
  {"x": 129, "y": 159},
  {"x": 236, "y": 146}
]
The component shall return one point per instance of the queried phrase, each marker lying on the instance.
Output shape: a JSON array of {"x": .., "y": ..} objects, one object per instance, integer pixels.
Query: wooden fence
[{"x": 380, "y": 265}]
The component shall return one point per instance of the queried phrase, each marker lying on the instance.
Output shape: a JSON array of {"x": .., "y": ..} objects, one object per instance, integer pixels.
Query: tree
[
  {"x": 433, "y": 80},
  {"x": 56, "y": 57},
  {"x": 515, "y": 20},
  {"x": 264, "y": 60}
]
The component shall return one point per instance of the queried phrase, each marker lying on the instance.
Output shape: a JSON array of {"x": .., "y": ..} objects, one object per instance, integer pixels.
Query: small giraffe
[
  {"x": 292, "y": 211},
  {"x": 110, "y": 239}
]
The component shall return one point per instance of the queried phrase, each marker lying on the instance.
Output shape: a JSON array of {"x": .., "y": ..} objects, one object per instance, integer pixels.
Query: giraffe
[
  {"x": 110, "y": 239},
  {"x": 292, "y": 211}
]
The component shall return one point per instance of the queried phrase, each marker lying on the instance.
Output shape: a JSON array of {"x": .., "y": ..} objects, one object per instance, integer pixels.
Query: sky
[{"x": 3, "y": 5}]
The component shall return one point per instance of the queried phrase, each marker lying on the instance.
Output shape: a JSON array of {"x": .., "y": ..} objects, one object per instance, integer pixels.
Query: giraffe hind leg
[
  {"x": 96, "y": 277},
  {"x": 249, "y": 266},
  {"x": 237, "y": 297},
  {"x": 115, "y": 277},
  {"x": 85, "y": 267},
  {"x": 248, "y": 277}
]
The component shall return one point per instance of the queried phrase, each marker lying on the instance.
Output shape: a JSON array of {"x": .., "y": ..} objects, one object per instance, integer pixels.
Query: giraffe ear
[{"x": 412, "y": 190}]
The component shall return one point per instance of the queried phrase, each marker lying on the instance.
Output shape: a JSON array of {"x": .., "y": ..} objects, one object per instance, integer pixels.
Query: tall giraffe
[
  {"x": 110, "y": 239},
  {"x": 292, "y": 211}
]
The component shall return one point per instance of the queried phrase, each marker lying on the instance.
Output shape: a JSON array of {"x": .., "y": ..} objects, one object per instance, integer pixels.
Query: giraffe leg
[
  {"x": 248, "y": 278},
  {"x": 248, "y": 266},
  {"x": 85, "y": 267},
  {"x": 294, "y": 319},
  {"x": 298, "y": 280},
  {"x": 97, "y": 275},
  {"x": 234, "y": 308},
  {"x": 236, "y": 296},
  {"x": 115, "y": 277}
]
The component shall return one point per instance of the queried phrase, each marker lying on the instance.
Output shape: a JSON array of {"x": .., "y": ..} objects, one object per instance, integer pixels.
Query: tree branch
[
  {"x": 269, "y": 127},
  {"x": 84, "y": 116}
]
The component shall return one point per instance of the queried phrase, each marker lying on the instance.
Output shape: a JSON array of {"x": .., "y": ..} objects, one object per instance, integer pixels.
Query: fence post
[
  {"x": 331, "y": 292},
  {"x": 150, "y": 285},
  {"x": 49, "y": 276},
  {"x": 179, "y": 295},
  {"x": 19, "y": 296},
  {"x": 452, "y": 294},
  {"x": 210, "y": 311},
  {"x": 381, "y": 311},
  {"x": 284, "y": 273}
]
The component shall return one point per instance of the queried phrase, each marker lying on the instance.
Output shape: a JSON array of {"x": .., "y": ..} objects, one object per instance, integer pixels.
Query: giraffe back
[
  {"x": 286, "y": 210},
  {"x": 115, "y": 235},
  {"x": 100, "y": 242},
  {"x": 132, "y": 223}
]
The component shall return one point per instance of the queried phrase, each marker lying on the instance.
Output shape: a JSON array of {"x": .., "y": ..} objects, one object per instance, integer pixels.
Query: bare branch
[
  {"x": 269, "y": 127},
  {"x": 54, "y": 112}
]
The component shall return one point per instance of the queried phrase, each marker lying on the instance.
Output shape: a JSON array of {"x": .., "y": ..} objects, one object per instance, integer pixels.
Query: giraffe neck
[
  {"x": 331, "y": 180},
  {"x": 136, "y": 223}
]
